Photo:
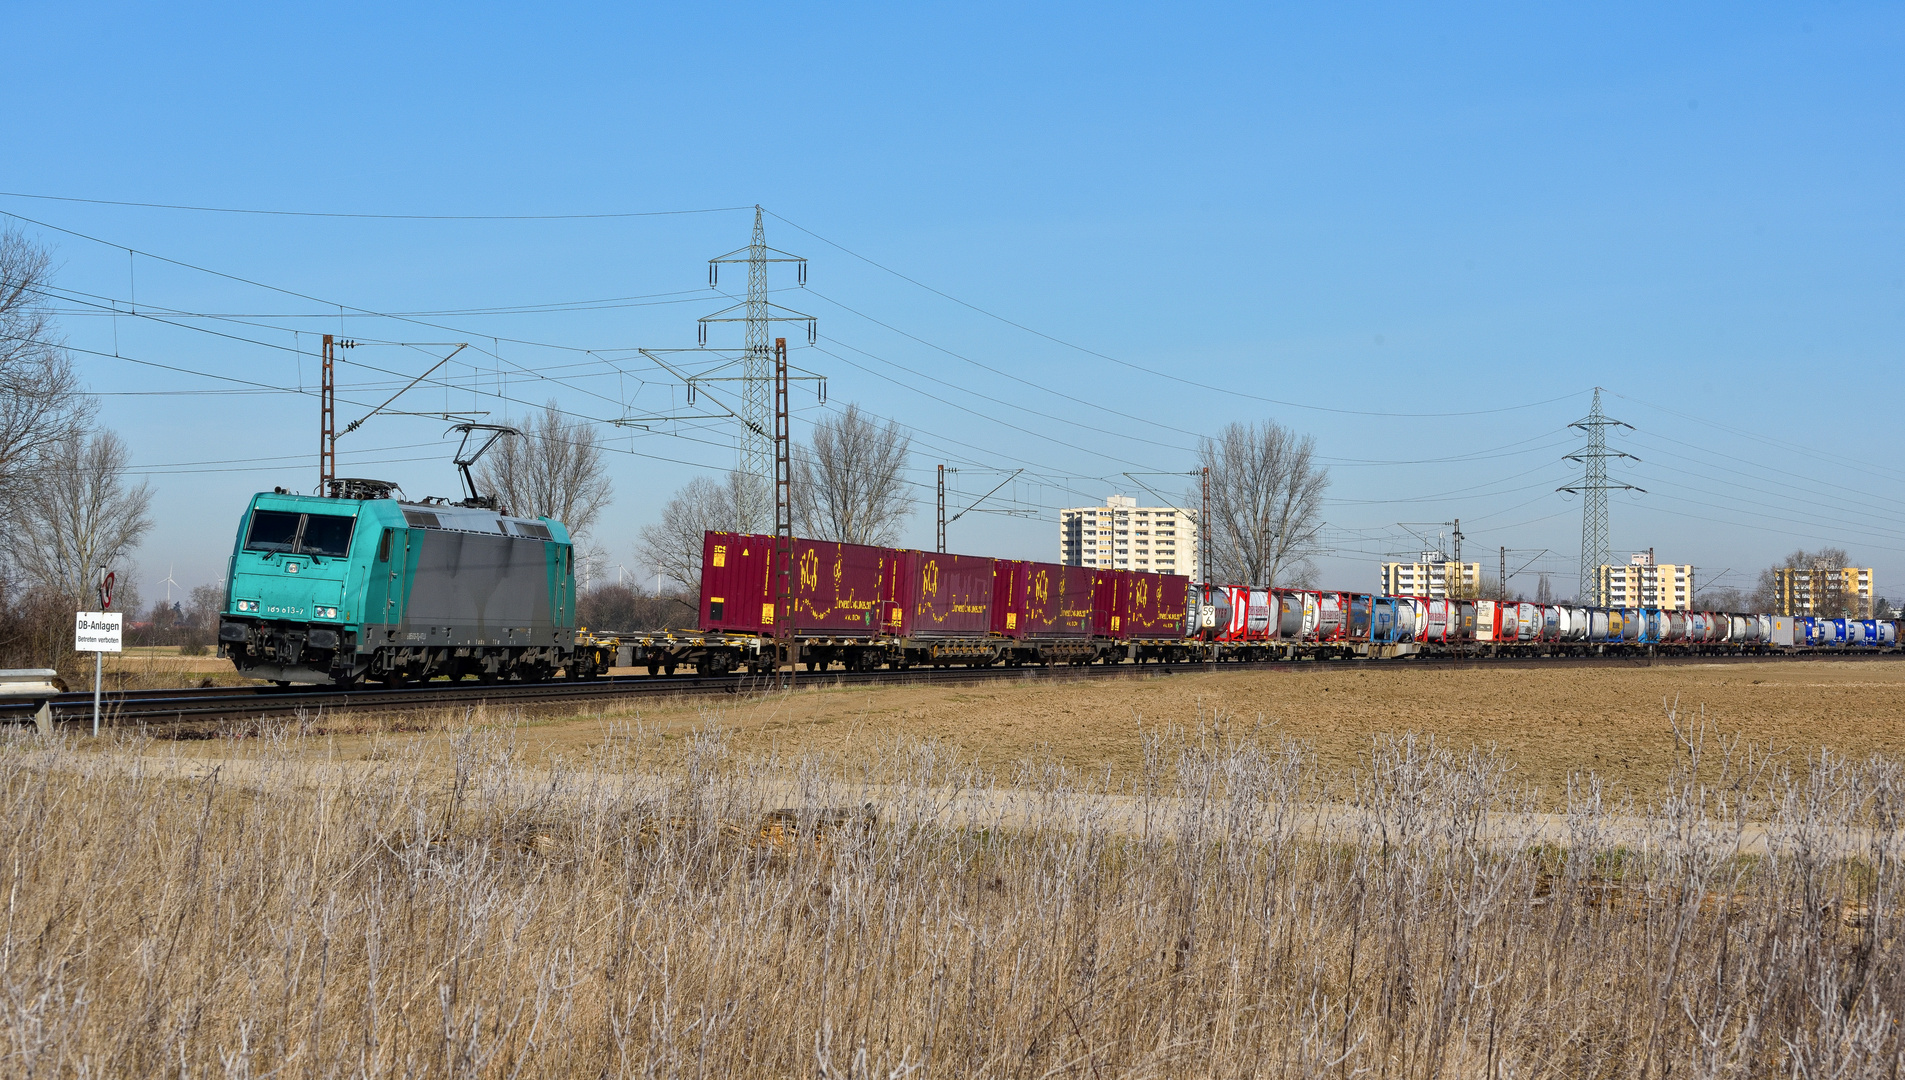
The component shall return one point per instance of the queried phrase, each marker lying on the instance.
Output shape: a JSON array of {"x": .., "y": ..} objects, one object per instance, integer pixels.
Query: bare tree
[
  {"x": 849, "y": 483},
  {"x": 555, "y": 469},
  {"x": 40, "y": 398},
  {"x": 78, "y": 515},
  {"x": 673, "y": 544},
  {"x": 1266, "y": 503}
]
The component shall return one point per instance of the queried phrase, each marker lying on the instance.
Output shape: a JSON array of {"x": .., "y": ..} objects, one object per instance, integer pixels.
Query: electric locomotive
[{"x": 361, "y": 586}]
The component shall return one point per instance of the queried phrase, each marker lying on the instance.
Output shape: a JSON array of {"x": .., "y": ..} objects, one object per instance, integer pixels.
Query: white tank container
[{"x": 1260, "y": 614}]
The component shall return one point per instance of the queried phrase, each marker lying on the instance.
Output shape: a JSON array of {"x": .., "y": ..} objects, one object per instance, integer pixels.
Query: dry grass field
[
  {"x": 1321, "y": 872},
  {"x": 1547, "y": 724},
  {"x": 461, "y": 905}
]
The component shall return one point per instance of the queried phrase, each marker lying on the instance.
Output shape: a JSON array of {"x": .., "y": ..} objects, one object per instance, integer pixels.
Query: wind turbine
[{"x": 168, "y": 583}]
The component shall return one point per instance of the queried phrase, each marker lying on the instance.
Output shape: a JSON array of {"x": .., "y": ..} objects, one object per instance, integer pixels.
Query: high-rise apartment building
[
  {"x": 1435, "y": 580},
  {"x": 1823, "y": 590},
  {"x": 1644, "y": 583},
  {"x": 1121, "y": 535}
]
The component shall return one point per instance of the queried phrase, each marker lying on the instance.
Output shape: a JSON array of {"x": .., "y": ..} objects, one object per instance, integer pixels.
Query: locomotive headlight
[
  {"x": 247, "y": 605},
  {"x": 327, "y": 613}
]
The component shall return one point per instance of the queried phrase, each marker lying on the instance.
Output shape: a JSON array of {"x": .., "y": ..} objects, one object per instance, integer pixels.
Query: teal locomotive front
[{"x": 342, "y": 591}]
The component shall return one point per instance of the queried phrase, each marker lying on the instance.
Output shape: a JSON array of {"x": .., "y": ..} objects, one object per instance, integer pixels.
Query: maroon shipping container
[
  {"x": 944, "y": 596},
  {"x": 1155, "y": 605},
  {"x": 1057, "y": 601},
  {"x": 1008, "y": 596},
  {"x": 1110, "y": 602},
  {"x": 839, "y": 589}
]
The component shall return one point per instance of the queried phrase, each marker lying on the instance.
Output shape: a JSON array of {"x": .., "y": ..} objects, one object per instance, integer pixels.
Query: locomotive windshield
[
  {"x": 273, "y": 530},
  {"x": 326, "y": 534},
  {"x": 302, "y": 534}
]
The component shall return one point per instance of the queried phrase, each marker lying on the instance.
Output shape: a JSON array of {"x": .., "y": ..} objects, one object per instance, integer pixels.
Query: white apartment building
[
  {"x": 1644, "y": 583},
  {"x": 1121, "y": 535},
  {"x": 1436, "y": 580}
]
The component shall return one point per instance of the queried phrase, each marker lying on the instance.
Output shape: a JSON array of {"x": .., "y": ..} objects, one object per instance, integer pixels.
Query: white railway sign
[{"x": 99, "y": 631}]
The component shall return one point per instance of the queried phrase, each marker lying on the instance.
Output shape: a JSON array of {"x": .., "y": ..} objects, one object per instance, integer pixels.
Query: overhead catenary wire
[{"x": 376, "y": 217}]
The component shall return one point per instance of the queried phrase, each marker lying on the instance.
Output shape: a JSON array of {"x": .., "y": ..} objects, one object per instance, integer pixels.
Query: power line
[
  {"x": 1227, "y": 391},
  {"x": 374, "y": 217}
]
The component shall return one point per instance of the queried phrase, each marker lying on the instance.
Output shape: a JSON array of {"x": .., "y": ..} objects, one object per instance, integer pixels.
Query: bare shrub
[{"x": 673, "y": 908}]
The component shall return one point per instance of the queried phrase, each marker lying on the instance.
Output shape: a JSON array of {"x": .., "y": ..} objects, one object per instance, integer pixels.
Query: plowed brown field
[{"x": 1548, "y": 722}]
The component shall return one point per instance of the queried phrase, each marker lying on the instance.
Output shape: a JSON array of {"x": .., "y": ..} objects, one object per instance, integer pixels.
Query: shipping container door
[
  {"x": 1008, "y": 597},
  {"x": 1110, "y": 602}
]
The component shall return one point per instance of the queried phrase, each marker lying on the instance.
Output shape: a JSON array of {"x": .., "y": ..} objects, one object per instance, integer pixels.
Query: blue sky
[{"x": 1422, "y": 235}]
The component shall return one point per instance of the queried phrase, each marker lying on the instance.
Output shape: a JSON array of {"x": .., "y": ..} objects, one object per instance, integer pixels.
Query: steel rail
[{"x": 213, "y": 705}]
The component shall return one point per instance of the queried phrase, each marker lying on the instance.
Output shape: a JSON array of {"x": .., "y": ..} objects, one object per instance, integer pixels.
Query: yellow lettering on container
[
  {"x": 720, "y": 555},
  {"x": 1011, "y": 620},
  {"x": 767, "y": 614}
]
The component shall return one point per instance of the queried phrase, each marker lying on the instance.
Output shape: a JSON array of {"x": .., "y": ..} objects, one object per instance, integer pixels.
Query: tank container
[
  {"x": 1463, "y": 627},
  {"x": 1332, "y": 621},
  {"x": 1382, "y": 620},
  {"x": 1360, "y": 606}
]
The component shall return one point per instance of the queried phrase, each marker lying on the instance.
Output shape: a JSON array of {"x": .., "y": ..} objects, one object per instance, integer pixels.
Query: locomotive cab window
[
  {"x": 326, "y": 534},
  {"x": 273, "y": 530},
  {"x": 276, "y": 532},
  {"x": 383, "y": 546}
]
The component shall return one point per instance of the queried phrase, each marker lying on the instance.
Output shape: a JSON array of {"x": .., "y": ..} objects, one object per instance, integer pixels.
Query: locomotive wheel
[{"x": 654, "y": 667}]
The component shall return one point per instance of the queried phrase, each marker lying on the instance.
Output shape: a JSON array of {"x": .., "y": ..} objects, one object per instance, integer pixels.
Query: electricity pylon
[
  {"x": 1593, "y": 490},
  {"x": 757, "y": 367}
]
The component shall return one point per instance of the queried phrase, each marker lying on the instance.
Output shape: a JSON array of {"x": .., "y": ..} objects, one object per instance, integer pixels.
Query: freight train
[
  {"x": 365, "y": 587},
  {"x": 867, "y": 607}
]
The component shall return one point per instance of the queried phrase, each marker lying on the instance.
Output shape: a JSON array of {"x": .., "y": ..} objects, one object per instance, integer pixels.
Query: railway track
[{"x": 184, "y": 710}]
